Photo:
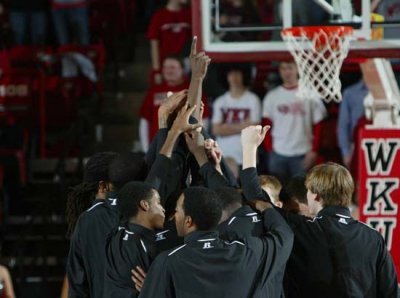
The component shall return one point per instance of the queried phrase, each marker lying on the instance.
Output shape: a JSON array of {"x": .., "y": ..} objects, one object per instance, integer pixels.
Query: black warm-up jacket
[
  {"x": 86, "y": 258},
  {"x": 206, "y": 266},
  {"x": 333, "y": 254}
]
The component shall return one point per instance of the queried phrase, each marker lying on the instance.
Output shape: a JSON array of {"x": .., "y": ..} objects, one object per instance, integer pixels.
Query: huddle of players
[{"x": 187, "y": 230}]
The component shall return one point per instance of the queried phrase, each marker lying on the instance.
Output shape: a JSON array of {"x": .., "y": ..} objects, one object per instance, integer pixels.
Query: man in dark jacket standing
[{"x": 133, "y": 244}]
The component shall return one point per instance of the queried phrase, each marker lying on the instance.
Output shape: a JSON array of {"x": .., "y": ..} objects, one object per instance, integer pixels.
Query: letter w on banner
[{"x": 379, "y": 181}]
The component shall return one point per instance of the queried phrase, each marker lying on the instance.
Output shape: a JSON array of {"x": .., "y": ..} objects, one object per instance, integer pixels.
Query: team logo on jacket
[{"x": 207, "y": 245}]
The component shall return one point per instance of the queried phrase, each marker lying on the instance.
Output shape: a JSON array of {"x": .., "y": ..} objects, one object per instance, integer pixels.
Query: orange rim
[{"x": 310, "y": 31}]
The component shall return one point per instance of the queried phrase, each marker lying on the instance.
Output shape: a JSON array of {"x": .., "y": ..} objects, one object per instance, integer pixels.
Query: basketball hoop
[{"x": 319, "y": 53}]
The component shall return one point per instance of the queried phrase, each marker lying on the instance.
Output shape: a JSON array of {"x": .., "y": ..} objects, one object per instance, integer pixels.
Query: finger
[
  {"x": 193, "y": 50},
  {"x": 179, "y": 94},
  {"x": 178, "y": 97},
  {"x": 190, "y": 110},
  {"x": 135, "y": 274},
  {"x": 264, "y": 131},
  {"x": 141, "y": 271},
  {"x": 200, "y": 55},
  {"x": 188, "y": 139},
  {"x": 138, "y": 277},
  {"x": 207, "y": 143},
  {"x": 194, "y": 126},
  {"x": 184, "y": 91},
  {"x": 266, "y": 128},
  {"x": 201, "y": 112},
  {"x": 183, "y": 109},
  {"x": 137, "y": 283},
  {"x": 138, "y": 288}
]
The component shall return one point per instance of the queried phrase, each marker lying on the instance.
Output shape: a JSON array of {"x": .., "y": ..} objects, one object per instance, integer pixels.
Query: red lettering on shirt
[
  {"x": 296, "y": 108},
  {"x": 235, "y": 115}
]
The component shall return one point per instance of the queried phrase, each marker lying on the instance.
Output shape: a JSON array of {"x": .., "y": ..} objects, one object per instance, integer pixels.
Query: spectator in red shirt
[
  {"x": 174, "y": 80},
  {"x": 170, "y": 30}
]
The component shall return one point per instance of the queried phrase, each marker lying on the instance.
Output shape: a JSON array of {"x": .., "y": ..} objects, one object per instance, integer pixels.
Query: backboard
[{"x": 274, "y": 15}]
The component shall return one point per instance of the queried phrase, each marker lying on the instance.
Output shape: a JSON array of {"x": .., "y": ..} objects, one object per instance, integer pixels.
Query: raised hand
[
  {"x": 253, "y": 135},
  {"x": 213, "y": 151},
  {"x": 195, "y": 141},
  {"x": 181, "y": 123},
  {"x": 251, "y": 138},
  {"x": 199, "y": 61},
  {"x": 173, "y": 101}
]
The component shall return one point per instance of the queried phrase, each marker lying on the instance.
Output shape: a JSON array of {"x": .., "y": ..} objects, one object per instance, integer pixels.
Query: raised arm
[
  {"x": 160, "y": 173},
  {"x": 181, "y": 124},
  {"x": 155, "y": 60},
  {"x": 251, "y": 138},
  {"x": 199, "y": 63},
  {"x": 212, "y": 177},
  {"x": 167, "y": 108}
]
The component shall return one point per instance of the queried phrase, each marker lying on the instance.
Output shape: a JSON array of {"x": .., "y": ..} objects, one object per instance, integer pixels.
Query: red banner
[{"x": 379, "y": 185}]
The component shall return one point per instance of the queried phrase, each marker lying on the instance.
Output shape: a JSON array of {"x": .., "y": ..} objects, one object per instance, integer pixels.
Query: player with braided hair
[
  {"x": 90, "y": 219},
  {"x": 82, "y": 196}
]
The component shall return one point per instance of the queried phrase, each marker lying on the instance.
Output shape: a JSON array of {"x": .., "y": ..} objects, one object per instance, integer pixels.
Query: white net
[{"x": 319, "y": 55}]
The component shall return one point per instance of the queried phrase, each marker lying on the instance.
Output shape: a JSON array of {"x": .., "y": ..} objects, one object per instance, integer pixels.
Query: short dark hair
[
  {"x": 96, "y": 169},
  {"x": 203, "y": 206},
  {"x": 244, "y": 68},
  {"x": 127, "y": 167},
  {"x": 296, "y": 188},
  {"x": 228, "y": 196},
  {"x": 130, "y": 196}
]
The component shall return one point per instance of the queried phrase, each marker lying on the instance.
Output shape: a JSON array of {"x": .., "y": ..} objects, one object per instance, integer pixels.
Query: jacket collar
[
  {"x": 201, "y": 236},
  {"x": 335, "y": 211},
  {"x": 96, "y": 201},
  {"x": 245, "y": 210},
  {"x": 142, "y": 231},
  {"x": 112, "y": 198}
]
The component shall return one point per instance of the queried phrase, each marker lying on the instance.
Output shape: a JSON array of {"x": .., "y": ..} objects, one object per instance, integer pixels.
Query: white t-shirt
[
  {"x": 292, "y": 120},
  {"x": 228, "y": 110}
]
